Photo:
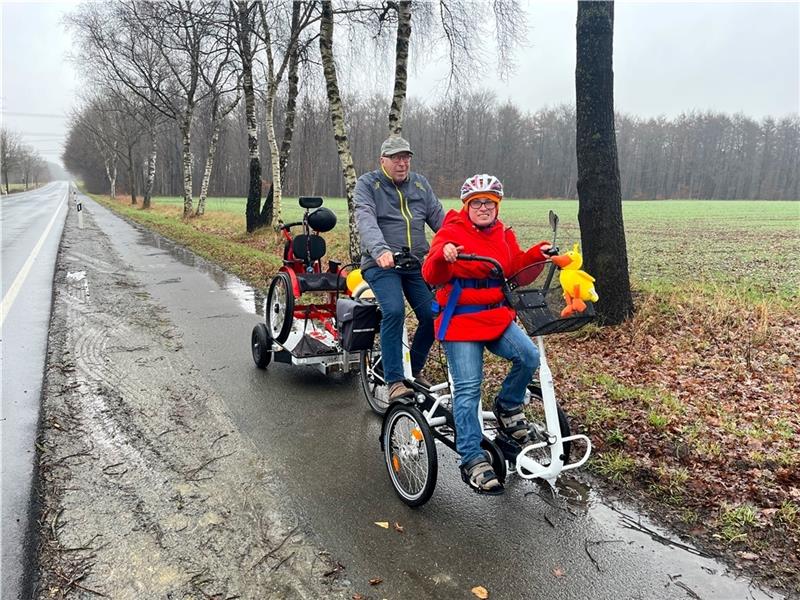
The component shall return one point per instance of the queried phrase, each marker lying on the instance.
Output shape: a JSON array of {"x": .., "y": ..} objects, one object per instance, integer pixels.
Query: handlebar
[
  {"x": 405, "y": 260},
  {"x": 287, "y": 226},
  {"x": 497, "y": 271}
]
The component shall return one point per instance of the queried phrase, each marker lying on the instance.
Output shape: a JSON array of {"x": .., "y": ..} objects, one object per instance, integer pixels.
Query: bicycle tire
[
  {"x": 409, "y": 453},
  {"x": 373, "y": 385},
  {"x": 279, "y": 310}
]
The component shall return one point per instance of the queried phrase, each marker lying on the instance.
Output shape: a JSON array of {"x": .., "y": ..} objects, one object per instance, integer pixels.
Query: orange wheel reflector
[
  {"x": 417, "y": 433},
  {"x": 396, "y": 463}
]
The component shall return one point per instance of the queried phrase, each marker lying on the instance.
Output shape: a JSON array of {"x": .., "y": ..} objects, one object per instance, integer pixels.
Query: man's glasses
[
  {"x": 476, "y": 204},
  {"x": 400, "y": 158}
]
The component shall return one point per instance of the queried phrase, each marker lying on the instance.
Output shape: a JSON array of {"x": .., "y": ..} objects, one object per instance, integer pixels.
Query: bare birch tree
[
  {"x": 400, "y": 67},
  {"x": 302, "y": 15},
  {"x": 9, "y": 153},
  {"x": 337, "y": 120}
]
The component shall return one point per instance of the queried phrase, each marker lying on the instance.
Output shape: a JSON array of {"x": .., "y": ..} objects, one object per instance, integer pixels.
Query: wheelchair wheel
[
  {"x": 496, "y": 458},
  {"x": 279, "y": 309},
  {"x": 261, "y": 346},
  {"x": 373, "y": 385},
  {"x": 410, "y": 454}
]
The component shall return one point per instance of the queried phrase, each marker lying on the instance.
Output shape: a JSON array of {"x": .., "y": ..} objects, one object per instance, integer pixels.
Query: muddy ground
[{"x": 146, "y": 488}]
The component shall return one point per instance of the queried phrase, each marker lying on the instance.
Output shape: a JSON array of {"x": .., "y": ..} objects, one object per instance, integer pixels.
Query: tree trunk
[
  {"x": 599, "y": 196},
  {"x": 111, "y": 172},
  {"x": 276, "y": 187},
  {"x": 131, "y": 176},
  {"x": 400, "y": 67},
  {"x": 337, "y": 120},
  {"x": 187, "y": 166},
  {"x": 291, "y": 102},
  {"x": 212, "y": 149},
  {"x": 151, "y": 168},
  {"x": 246, "y": 53}
]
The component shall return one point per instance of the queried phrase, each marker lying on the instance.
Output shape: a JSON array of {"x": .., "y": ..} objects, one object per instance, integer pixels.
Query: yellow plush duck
[{"x": 577, "y": 285}]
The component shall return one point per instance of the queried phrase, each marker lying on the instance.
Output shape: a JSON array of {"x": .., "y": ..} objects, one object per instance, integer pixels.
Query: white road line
[{"x": 8, "y": 300}]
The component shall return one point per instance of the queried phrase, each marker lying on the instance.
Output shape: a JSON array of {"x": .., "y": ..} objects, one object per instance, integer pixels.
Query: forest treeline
[{"x": 694, "y": 155}]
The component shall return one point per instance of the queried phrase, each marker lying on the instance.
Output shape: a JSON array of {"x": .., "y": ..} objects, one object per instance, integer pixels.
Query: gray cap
[{"x": 394, "y": 144}]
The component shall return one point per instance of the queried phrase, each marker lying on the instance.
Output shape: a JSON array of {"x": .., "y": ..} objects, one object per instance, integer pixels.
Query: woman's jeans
[
  {"x": 389, "y": 286},
  {"x": 465, "y": 361}
]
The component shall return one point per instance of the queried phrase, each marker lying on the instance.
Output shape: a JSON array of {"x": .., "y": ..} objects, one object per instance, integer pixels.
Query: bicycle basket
[{"x": 539, "y": 308}]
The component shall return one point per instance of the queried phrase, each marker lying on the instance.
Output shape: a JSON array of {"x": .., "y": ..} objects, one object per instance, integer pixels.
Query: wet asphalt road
[
  {"x": 30, "y": 225},
  {"x": 322, "y": 434}
]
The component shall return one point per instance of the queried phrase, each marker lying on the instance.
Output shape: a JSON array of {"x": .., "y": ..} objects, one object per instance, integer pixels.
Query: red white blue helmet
[{"x": 485, "y": 185}]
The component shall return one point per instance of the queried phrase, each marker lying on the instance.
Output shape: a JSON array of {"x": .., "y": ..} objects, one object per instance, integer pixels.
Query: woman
[{"x": 474, "y": 315}]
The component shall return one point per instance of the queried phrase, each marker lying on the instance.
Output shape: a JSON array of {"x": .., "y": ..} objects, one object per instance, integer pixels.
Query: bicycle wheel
[
  {"x": 410, "y": 454},
  {"x": 261, "y": 346},
  {"x": 280, "y": 307},
  {"x": 373, "y": 385}
]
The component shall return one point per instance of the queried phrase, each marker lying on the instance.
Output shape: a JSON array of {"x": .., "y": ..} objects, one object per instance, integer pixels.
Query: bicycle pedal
[
  {"x": 509, "y": 447},
  {"x": 537, "y": 432}
]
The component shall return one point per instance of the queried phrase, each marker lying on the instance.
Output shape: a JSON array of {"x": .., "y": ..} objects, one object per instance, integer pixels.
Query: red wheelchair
[{"x": 301, "y": 326}]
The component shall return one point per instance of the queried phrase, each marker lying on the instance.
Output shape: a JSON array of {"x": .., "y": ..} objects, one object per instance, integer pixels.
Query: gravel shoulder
[{"x": 146, "y": 489}]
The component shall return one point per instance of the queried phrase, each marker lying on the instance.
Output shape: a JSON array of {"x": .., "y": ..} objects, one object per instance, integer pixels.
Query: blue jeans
[
  {"x": 465, "y": 361},
  {"x": 390, "y": 285}
]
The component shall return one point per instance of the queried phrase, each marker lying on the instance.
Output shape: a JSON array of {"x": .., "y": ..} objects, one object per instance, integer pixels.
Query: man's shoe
[
  {"x": 420, "y": 379},
  {"x": 398, "y": 390}
]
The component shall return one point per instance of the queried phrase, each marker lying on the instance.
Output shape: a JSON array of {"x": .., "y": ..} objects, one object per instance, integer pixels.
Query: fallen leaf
[
  {"x": 375, "y": 581},
  {"x": 358, "y": 596},
  {"x": 398, "y": 528},
  {"x": 480, "y": 592},
  {"x": 558, "y": 572},
  {"x": 384, "y": 524},
  {"x": 748, "y": 555}
]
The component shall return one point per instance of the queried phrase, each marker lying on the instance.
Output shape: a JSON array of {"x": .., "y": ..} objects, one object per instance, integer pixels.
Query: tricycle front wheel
[{"x": 410, "y": 454}]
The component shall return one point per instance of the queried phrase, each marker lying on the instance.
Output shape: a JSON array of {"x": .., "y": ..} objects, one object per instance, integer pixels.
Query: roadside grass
[
  {"x": 15, "y": 188},
  {"x": 692, "y": 403}
]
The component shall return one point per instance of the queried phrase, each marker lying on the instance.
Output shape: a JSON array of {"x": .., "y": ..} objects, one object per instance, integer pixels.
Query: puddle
[
  {"x": 249, "y": 298},
  {"x": 691, "y": 569}
]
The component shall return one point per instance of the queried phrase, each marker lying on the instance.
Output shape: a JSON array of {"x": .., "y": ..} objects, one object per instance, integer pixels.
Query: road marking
[{"x": 8, "y": 300}]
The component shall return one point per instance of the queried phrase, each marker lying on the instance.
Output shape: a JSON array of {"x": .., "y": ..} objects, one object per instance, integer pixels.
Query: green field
[{"x": 741, "y": 247}]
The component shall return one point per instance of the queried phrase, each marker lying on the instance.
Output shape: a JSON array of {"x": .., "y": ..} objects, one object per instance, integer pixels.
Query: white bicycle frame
[{"x": 526, "y": 466}]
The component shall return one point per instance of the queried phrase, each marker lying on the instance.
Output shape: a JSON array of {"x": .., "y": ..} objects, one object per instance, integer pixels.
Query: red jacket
[{"x": 496, "y": 241}]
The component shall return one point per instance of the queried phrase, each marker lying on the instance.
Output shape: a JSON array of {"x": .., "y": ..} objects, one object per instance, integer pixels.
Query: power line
[{"x": 26, "y": 114}]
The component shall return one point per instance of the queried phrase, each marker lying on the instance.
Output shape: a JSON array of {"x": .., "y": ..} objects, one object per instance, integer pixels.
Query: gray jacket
[{"x": 390, "y": 217}]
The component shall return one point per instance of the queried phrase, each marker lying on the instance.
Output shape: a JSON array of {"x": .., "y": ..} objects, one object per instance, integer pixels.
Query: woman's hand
[{"x": 450, "y": 252}]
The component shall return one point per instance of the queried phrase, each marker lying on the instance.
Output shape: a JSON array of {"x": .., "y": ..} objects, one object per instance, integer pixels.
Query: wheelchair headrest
[
  {"x": 310, "y": 201},
  {"x": 322, "y": 220},
  {"x": 308, "y": 248}
]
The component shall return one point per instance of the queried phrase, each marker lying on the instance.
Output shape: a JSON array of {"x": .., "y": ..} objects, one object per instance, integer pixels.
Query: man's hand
[
  {"x": 450, "y": 252},
  {"x": 385, "y": 260}
]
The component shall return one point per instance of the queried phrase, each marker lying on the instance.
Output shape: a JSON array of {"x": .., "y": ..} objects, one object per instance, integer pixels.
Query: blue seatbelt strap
[{"x": 449, "y": 309}]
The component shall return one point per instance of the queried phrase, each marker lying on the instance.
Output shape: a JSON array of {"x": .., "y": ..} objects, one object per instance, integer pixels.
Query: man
[{"x": 393, "y": 204}]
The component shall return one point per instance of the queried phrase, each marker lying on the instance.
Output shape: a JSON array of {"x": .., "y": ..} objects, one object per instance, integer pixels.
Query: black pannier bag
[{"x": 358, "y": 320}]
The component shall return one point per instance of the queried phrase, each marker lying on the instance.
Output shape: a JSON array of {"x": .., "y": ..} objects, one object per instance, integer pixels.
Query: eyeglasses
[
  {"x": 477, "y": 204},
  {"x": 400, "y": 158}
]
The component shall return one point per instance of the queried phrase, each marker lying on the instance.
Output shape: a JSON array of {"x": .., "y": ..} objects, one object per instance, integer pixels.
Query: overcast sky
[{"x": 669, "y": 57}]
